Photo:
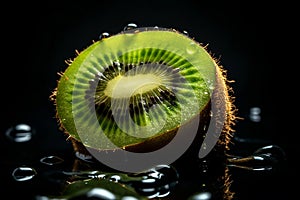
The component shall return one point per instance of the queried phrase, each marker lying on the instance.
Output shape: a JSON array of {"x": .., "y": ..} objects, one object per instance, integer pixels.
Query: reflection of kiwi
[{"x": 138, "y": 88}]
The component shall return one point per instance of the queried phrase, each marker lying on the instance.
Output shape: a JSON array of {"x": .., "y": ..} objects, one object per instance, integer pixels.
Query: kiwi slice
[{"x": 135, "y": 89}]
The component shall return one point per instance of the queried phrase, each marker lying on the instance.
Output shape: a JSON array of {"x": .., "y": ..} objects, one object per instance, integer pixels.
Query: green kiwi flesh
[{"x": 135, "y": 71}]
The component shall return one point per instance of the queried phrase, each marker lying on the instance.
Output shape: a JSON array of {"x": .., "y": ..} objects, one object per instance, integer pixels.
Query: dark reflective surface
[{"x": 250, "y": 170}]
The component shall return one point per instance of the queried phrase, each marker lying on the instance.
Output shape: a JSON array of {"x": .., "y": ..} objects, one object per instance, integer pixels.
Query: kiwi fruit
[{"x": 134, "y": 90}]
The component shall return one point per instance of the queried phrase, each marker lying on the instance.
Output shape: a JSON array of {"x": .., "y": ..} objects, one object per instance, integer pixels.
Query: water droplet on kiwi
[
  {"x": 130, "y": 26},
  {"x": 104, "y": 35},
  {"x": 51, "y": 160},
  {"x": 185, "y": 33},
  {"x": 191, "y": 49},
  {"x": 20, "y": 133},
  {"x": 23, "y": 173}
]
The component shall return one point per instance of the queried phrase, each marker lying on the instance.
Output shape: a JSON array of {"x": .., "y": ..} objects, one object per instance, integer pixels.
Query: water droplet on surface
[
  {"x": 20, "y": 133},
  {"x": 274, "y": 151},
  {"x": 115, "y": 178},
  {"x": 255, "y": 114},
  {"x": 130, "y": 26},
  {"x": 100, "y": 193},
  {"x": 201, "y": 196},
  {"x": 266, "y": 158},
  {"x": 23, "y": 173},
  {"x": 51, "y": 160},
  {"x": 129, "y": 198},
  {"x": 157, "y": 181},
  {"x": 104, "y": 35}
]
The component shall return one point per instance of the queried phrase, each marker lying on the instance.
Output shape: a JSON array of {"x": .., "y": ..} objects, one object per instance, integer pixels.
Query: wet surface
[{"x": 31, "y": 171}]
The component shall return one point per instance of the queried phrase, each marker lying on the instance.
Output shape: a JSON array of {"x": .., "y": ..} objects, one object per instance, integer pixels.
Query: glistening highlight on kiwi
[{"x": 148, "y": 93}]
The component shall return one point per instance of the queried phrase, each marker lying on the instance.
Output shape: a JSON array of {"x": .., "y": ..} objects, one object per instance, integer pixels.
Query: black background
[{"x": 251, "y": 39}]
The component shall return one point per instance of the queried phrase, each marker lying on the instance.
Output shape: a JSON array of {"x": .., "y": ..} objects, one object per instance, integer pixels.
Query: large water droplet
[
  {"x": 263, "y": 159},
  {"x": 130, "y": 26},
  {"x": 51, "y": 160},
  {"x": 274, "y": 151},
  {"x": 20, "y": 133},
  {"x": 157, "y": 181},
  {"x": 23, "y": 173}
]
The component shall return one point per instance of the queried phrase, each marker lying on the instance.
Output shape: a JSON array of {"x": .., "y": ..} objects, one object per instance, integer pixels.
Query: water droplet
[
  {"x": 84, "y": 157},
  {"x": 104, "y": 35},
  {"x": 115, "y": 178},
  {"x": 156, "y": 181},
  {"x": 274, "y": 151},
  {"x": 130, "y": 26},
  {"x": 129, "y": 198},
  {"x": 204, "y": 166},
  {"x": 100, "y": 193},
  {"x": 201, "y": 196},
  {"x": 185, "y": 33},
  {"x": 255, "y": 110},
  {"x": 191, "y": 49},
  {"x": 23, "y": 173},
  {"x": 51, "y": 160},
  {"x": 20, "y": 133},
  {"x": 255, "y": 114},
  {"x": 263, "y": 159}
]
